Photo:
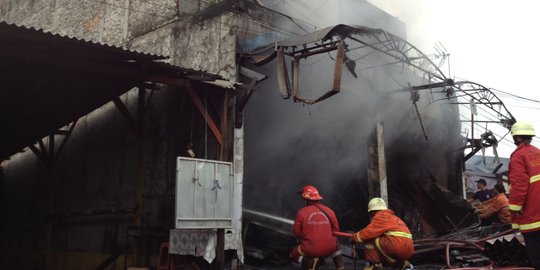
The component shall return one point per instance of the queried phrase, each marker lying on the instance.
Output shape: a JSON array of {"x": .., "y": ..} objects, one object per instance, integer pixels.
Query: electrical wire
[
  {"x": 483, "y": 112},
  {"x": 515, "y": 96},
  {"x": 291, "y": 18}
]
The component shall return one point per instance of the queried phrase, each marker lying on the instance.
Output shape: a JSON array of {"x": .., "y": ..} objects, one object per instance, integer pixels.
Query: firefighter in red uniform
[
  {"x": 524, "y": 177},
  {"x": 314, "y": 226},
  {"x": 386, "y": 238}
]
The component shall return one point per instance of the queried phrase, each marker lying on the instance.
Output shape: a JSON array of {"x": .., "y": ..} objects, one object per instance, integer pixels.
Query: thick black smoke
[{"x": 289, "y": 144}]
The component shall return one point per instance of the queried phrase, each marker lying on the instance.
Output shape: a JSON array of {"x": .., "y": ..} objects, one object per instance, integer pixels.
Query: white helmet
[
  {"x": 522, "y": 128},
  {"x": 376, "y": 204}
]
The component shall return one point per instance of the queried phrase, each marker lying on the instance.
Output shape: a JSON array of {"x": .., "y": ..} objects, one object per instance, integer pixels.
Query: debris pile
[{"x": 269, "y": 240}]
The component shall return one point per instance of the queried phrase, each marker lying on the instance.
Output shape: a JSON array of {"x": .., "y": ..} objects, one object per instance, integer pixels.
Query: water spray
[{"x": 272, "y": 217}]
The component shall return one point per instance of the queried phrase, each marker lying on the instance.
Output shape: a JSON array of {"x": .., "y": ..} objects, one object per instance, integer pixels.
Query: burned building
[
  {"x": 325, "y": 138},
  {"x": 325, "y": 133}
]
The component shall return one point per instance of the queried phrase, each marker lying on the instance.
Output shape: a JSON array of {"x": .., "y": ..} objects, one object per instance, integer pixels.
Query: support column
[
  {"x": 137, "y": 127},
  {"x": 377, "y": 181},
  {"x": 139, "y": 177}
]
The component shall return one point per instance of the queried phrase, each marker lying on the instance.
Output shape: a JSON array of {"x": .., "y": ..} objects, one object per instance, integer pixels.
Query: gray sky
[{"x": 491, "y": 42}]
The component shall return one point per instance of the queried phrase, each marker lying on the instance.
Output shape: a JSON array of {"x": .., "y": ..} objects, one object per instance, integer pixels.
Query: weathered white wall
[
  {"x": 212, "y": 46},
  {"x": 155, "y": 27}
]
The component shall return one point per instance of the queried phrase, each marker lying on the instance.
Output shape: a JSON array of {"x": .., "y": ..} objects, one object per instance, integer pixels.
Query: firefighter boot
[
  {"x": 406, "y": 265},
  {"x": 309, "y": 263},
  {"x": 338, "y": 262},
  {"x": 373, "y": 266}
]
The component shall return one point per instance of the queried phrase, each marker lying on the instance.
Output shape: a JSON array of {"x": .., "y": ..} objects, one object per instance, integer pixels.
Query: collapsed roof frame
[
  {"x": 472, "y": 94},
  {"x": 482, "y": 95},
  {"x": 337, "y": 38}
]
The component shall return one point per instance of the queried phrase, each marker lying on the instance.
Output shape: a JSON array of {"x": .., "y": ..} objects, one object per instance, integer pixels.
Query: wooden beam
[
  {"x": 205, "y": 114},
  {"x": 377, "y": 181},
  {"x": 42, "y": 147},
  {"x": 66, "y": 137},
  {"x": 223, "y": 153},
  {"x": 38, "y": 153},
  {"x": 52, "y": 152},
  {"x": 282, "y": 75},
  {"x": 127, "y": 115},
  {"x": 245, "y": 98}
]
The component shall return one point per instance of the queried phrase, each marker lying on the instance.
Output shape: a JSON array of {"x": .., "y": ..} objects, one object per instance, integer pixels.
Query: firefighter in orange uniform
[
  {"x": 386, "y": 238},
  {"x": 314, "y": 226},
  {"x": 496, "y": 208},
  {"x": 524, "y": 177}
]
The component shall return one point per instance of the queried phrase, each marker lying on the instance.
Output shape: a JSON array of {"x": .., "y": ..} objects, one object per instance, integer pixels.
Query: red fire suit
[
  {"x": 386, "y": 237},
  {"x": 314, "y": 225},
  {"x": 524, "y": 177}
]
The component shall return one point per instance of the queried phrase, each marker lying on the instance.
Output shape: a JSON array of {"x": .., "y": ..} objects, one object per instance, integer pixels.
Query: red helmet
[{"x": 310, "y": 193}]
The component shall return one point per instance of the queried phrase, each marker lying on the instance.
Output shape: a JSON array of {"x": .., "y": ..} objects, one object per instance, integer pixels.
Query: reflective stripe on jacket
[
  {"x": 314, "y": 227},
  {"x": 498, "y": 204},
  {"x": 389, "y": 233},
  {"x": 524, "y": 177}
]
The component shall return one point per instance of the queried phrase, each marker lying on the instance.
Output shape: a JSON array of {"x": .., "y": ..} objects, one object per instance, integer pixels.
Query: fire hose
[
  {"x": 353, "y": 245},
  {"x": 343, "y": 234}
]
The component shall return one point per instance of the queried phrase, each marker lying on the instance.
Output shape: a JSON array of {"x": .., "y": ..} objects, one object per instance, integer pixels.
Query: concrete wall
[{"x": 212, "y": 46}]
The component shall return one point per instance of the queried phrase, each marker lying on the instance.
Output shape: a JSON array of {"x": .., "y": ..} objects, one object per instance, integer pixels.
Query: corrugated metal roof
[{"x": 64, "y": 37}]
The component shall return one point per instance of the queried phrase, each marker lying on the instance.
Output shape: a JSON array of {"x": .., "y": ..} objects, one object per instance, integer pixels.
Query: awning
[{"x": 48, "y": 80}]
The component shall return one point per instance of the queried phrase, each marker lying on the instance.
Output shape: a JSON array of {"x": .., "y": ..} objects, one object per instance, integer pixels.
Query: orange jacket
[
  {"x": 314, "y": 225},
  {"x": 524, "y": 177},
  {"x": 498, "y": 204},
  {"x": 394, "y": 236}
]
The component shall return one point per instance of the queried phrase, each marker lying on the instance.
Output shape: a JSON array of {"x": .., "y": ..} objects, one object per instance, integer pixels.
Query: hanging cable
[{"x": 516, "y": 96}]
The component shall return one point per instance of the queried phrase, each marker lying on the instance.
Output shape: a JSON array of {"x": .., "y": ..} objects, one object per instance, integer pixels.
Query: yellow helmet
[
  {"x": 376, "y": 204},
  {"x": 522, "y": 128}
]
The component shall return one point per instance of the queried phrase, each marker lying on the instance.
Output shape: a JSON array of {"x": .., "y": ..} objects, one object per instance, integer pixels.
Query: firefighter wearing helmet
[
  {"x": 387, "y": 240},
  {"x": 524, "y": 178},
  {"x": 314, "y": 226}
]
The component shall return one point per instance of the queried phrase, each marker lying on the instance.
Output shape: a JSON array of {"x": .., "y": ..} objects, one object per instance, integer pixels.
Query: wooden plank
[
  {"x": 377, "y": 181},
  {"x": 202, "y": 110}
]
